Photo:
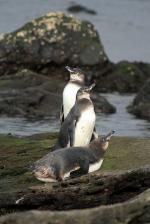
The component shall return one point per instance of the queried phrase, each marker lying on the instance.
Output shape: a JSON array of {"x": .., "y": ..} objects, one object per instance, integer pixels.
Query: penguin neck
[
  {"x": 77, "y": 82},
  {"x": 84, "y": 97},
  {"x": 96, "y": 148}
]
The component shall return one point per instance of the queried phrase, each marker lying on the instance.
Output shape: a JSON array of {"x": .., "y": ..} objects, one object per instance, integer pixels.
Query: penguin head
[
  {"x": 84, "y": 92},
  {"x": 104, "y": 140},
  {"x": 76, "y": 74}
]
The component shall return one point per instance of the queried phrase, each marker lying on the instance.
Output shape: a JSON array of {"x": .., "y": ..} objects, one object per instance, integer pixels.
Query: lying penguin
[
  {"x": 77, "y": 80},
  {"x": 77, "y": 128},
  {"x": 59, "y": 164}
]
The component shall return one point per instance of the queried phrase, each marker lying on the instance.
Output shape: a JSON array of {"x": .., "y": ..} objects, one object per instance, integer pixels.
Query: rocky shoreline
[
  {"x": 32, "y": 76},
  {"x": 117, "y": 182},
  {"x": 41, "y": 49}
]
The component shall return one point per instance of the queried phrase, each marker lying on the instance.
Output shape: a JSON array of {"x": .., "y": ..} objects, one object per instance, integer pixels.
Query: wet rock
[
  {"x": 141, "y": 104},
  {"x": 79, "y": 8},
  {"x": 93, "y": 191},
  {"x": 53, "y": 38},
  {"x": 131, "y": 212},
  {"x": 102, "y": 105},
  {"x": 30, "y": 94},
  {"x": 104, "y": 187},
  {"x": 124, "y": 77},
  {"x": 18, "y": 153}
]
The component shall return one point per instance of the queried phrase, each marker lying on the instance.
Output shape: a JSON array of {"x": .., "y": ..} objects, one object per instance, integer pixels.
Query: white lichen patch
[
  {"x": 21, "y": 34},
  {"x": 2, "y": 36},
  {"x": 73, "y": 26}
]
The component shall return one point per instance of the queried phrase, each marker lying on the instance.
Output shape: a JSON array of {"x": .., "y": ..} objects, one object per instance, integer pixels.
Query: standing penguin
[
  {"x": 74, "y": 161},
  {"x": 77, "y": 128},
  {"x": 77, "y": 80}
]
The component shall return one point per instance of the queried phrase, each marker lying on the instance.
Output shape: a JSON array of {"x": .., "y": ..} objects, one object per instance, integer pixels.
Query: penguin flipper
[
  {"x": 61, "y": 114},
  {"x": 75, "y": 116},
  {"x": 72, "y": 133}
]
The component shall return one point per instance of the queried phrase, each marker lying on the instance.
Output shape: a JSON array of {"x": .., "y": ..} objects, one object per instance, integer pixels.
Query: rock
[
  {"x": 102, "y": 105},
  {"x": 30, "y": 94},
  {"x": 93, "y": 191},
  {"x": 79, "y": 8},
  {"x": 18, "y": 153},
  {"x": 53, "y": 38},
  {"x": 141, "y": 104},
  {"x": 102, "y": 189},
  {"x": 134, "y": 211},
  {"x": 124, "y": 77}
]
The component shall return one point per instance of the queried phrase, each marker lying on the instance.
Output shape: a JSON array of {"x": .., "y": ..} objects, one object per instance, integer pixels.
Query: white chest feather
[
  {"x": 85, "y": 127},
  {"x": 95, "y": 166},
  {"x": 69, "y": 97}
]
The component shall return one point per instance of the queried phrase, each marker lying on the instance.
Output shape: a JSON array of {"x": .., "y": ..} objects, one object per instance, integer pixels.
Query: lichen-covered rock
[
  {"x": 124, "y": 77},
  {"x": 141, "y": 104},
  {"x": 53, "y": 38}
]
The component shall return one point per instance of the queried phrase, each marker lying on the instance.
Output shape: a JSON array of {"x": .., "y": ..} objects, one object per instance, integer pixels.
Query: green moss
[
  {"x": 17, "y": 154},
  {"x": 126, "y": 153},
  {"x": 4, "y": 83}
]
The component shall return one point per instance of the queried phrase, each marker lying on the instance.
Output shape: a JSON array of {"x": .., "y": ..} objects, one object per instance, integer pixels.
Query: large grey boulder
[{"x": 53, "y": 38}]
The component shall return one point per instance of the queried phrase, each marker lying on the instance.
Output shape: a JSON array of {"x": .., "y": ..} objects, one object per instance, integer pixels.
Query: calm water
[
  {"x": 124, "y": 123},
  {"x": 123, "y": 25}
]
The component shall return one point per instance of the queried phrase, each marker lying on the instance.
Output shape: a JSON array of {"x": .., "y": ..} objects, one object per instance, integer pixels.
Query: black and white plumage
[
  {"x": 77, "y": 80},
  {"x": 77, "y": 128},
  {"x": 60, "y": 164}
]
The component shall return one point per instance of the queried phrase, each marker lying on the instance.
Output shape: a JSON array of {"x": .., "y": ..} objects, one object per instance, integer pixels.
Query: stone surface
[
  {"x": 123, "y": 77},
  {"x": 17, "y": 154},
  {"x": 30, "y": 94},
  {"x": 92, "y": 192},
  {"x": 136, "y": 211},
  {"x": 53, "y": 38},
  {"x": 141, "y": 104},
  {"x": 95, "y": 191}
]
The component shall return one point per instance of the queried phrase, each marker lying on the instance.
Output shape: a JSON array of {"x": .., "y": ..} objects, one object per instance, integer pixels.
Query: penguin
[
  {"x": 72, "y": 162},
  {"x": 77, "y": 128},
  {"x": 77, "y": 80}
]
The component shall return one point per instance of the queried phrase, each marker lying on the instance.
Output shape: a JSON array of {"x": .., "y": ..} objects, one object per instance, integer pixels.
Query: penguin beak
[
  {"x": 107, "y": 137},
  {"x": 92, "y": 86},
  {"x": 69, "y": 69},
  {"x": 88, "y": 89}
]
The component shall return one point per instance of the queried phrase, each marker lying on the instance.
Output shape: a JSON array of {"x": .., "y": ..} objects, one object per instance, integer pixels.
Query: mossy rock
[
  {"x": 124, "y": 77},
  {"x": 53, "y": 38},
  {"x": 106, "y": 195},
  {"x": 141, "y": 104},
  {"x": 18, "y": 154}
]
